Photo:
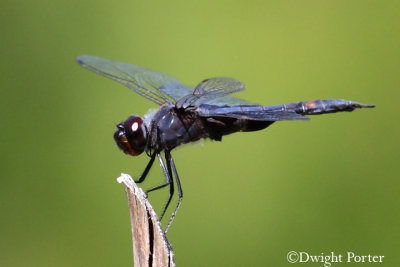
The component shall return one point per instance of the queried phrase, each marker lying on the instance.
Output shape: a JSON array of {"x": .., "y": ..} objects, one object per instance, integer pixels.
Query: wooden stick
[{"x": 150, "y": 246}]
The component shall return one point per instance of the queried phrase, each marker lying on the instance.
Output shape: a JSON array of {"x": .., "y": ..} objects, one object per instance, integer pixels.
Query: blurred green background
[{"x": 331, "y": 184}]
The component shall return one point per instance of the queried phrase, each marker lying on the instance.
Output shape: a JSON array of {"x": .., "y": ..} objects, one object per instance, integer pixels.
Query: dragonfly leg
[
  {"x": 146, "y": 170},
  {"x": 170, "y": 182},
  {"x": 171, "y": 165}
]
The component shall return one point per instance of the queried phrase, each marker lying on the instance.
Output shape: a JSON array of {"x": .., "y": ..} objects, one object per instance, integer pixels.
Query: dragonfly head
[{"x": 131, "y": 136}]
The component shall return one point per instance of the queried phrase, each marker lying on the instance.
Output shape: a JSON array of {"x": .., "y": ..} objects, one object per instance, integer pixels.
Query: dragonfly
[{"x": 187, "y": 114}]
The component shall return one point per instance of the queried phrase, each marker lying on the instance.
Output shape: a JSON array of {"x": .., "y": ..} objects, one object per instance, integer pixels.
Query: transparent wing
[
  {"x": 210, "y": 90},
  {"x": 176, "y": 91},
  {"x": 271, "y": 116},
  {"x": 218, "y": 86},
  {"x": 249, "y": 112},
  {"x": 155, "y": 86},
  {"x": 226, "y": 101}
]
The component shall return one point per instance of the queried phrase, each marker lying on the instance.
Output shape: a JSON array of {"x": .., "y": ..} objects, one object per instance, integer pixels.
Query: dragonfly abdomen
[{"x": 316, "y": 107}]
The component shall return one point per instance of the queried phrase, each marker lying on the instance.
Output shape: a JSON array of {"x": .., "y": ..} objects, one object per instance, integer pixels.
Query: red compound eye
[{"x": 131, "y": 136}]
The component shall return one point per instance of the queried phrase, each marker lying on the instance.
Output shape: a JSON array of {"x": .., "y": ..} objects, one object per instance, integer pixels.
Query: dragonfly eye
[{"x": 131, "y": 136}]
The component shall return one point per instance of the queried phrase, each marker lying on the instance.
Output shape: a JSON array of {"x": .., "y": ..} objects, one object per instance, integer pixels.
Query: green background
[{"x": 331, "y": 184}]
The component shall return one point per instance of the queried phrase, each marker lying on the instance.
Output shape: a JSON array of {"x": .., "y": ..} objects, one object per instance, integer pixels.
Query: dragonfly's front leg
[{"x": 146, "y": 170}]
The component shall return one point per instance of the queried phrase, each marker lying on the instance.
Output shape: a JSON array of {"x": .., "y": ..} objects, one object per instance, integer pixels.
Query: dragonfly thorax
[{"x": 131, "y": 136}]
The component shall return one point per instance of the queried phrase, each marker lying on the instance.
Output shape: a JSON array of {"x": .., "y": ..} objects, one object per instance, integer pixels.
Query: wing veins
[
  {"x": 125, "y": 82},
  {"x": 138, "y": 85},
  {"x": 254, "y": 112}
]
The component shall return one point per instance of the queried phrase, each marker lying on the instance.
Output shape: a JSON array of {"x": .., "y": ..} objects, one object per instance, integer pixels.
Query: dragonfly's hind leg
[
  {"x": 169, "y": 172},
  {"x": 170, "y": 182},
  {"x": 171, "y": 165}
]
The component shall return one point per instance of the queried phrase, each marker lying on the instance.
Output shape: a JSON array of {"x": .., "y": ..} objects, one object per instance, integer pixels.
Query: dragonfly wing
[
  {"x": 209, "y": 89},
  {"x": 226, "y": 101},
  {"x": 176, "y": 91},
  {"x": 219, "y": 85},
  {"x": 145, "y": 82},
  {"x": 249, "y": 112}
]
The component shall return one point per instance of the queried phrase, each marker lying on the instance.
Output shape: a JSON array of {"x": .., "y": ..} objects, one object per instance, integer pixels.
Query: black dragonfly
[{"x": 188, "y": 114}]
